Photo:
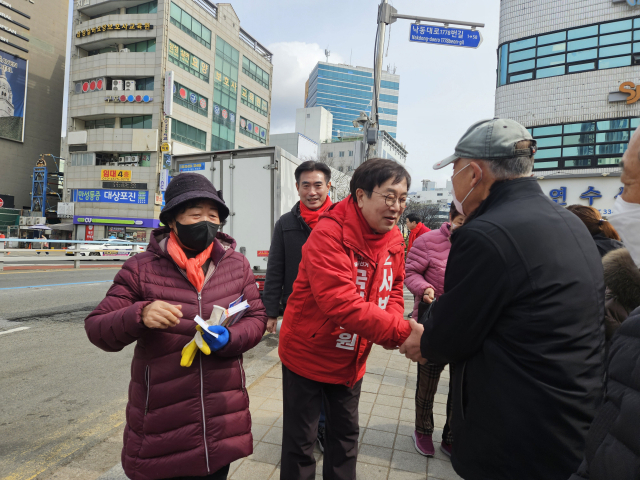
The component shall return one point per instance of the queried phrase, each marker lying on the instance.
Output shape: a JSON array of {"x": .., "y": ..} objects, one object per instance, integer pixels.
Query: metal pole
[
  {"x": 382, "y": 27},
  {"x": 436, "y": 20}
]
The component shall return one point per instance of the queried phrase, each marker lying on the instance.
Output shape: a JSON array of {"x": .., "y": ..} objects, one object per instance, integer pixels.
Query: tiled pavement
[{"x": 387, "y": 415}]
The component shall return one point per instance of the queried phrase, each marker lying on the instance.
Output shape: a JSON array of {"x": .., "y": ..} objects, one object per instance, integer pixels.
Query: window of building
[
  {"x": 102, "y": 50},
  {"x": 102, "y": 123},
  {"x": 341, "y": 154},
  {"x": 188, "y": 135},
  {"x": 340, "y": 169},
  {"x": 253, "y": 130},
  {"x": 439, "y": 194},
  {"x": 149, "y": 7},
  {"x": 308, "y": 115},
  {"x": 145, "y": 83},
  {"x": 255, "y": 72},
  {"x": 389, "y": 85},
  {"x": 225, "y": 96},
  {"x": 141, "y": 121},
  {"x": 187, "y": 98},
  {"x": 330, "y": 154},
  {"x": 190, "y": 25},
  {"x": 351, "y": 153},
  {"x": 189, "y": 62},
  {"x": 594, "y": 47},
  {"x": 582, "y": 145},
  {"x": 82, "y": 159},
  {"x": 253, "y": 101},
  {"x": 144, "y": 46}
]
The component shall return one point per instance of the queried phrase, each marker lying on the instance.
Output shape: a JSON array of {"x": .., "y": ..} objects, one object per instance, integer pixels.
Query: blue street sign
[{"x": 453, "y": 37}]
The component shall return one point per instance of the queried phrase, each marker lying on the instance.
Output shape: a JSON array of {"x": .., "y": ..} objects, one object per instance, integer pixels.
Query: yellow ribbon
[{"x": 190, "y": 349}]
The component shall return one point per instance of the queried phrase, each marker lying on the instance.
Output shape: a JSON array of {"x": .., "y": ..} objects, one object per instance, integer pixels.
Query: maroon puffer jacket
[{"x": 181, "y": 421}]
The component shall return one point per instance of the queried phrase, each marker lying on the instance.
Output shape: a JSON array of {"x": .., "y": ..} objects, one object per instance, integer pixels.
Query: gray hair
[{"x": 510, "y": 168}]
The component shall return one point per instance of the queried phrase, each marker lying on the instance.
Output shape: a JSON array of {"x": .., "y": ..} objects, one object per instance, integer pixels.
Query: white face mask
[
  {"x": 456, "y": 202},
  {"x": 626, "y": 220}
]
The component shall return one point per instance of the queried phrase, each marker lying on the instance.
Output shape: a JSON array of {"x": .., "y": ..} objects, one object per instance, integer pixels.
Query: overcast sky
[{"x": 443, "y": 89}]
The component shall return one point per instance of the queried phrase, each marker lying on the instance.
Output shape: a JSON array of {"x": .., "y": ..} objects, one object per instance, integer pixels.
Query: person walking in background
[
  {"x": 313, "y": 182},
  {"x": 416, "y": 228},
  {"x": 603, "y": 233},
  {"x": 426, "y": 264},
  {"x": 348, "y": 296},
  {"x": 613, "y": 444},
  {"x": 43, "y": 245},
  {"x": 520, "y": 319},
  {"x": 188, "y": 411}
]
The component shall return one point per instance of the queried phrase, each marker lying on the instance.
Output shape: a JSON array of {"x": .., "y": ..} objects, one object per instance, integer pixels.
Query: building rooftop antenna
[{"x": 327, "y": 53}]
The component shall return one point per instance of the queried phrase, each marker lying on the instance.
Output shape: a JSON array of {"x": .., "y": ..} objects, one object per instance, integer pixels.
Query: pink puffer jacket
[
  {"x": 181, "y": 421},
  {"x": 426, "y": 264}
]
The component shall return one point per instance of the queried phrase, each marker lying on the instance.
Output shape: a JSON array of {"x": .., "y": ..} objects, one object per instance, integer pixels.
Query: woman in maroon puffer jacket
[{"x": 191, "y": 421}]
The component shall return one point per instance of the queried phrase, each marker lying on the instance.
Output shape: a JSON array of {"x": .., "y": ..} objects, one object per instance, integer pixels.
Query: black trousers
[{"x": 302, "y": 400}]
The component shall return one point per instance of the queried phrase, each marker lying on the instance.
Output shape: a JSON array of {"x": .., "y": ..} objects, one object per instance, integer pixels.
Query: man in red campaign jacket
[
  {"x": 416, "y": 228},
  {"x": 347, "y": 296}
]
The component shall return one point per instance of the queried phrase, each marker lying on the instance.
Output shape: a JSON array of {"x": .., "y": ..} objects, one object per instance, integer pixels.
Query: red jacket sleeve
[
  {"x": 248, "y": 332},
  {"x": 117, "y": 320},
  {"x": 331, "y": 281}
]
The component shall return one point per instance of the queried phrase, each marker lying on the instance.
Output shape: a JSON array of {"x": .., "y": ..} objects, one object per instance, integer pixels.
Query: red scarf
[
  {"x": 311, "y": 217},
  {"x": 376, "y": 241},
  {"x": 193, "y": 266}
]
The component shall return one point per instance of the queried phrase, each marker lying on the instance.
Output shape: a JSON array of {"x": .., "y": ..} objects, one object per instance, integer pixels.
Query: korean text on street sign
[
  {"x": 454, "y": 37},
  {"x": 116, "y": 175},
  {"x": 111, "y": 196}
]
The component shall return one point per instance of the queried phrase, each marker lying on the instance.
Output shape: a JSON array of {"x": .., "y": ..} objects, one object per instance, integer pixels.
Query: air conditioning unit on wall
[
  {"x": 124, "y": 50},
  {"x": 117, "y": 85},
  {"x": 130, "y": 85}
]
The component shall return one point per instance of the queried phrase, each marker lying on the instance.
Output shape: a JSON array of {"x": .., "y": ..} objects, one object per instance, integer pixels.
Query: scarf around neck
[
  {"x": 375, "y": 241},
  {"x": 193, "y": 266},
  {"x": 311, "y": 217}
]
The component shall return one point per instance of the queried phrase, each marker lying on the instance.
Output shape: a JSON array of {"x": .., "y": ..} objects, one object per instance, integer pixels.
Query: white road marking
[{"x": 15, "y": 330}]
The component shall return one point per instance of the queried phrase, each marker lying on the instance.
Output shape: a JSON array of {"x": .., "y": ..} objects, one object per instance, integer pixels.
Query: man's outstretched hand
[{"x": 411, "y": 347}]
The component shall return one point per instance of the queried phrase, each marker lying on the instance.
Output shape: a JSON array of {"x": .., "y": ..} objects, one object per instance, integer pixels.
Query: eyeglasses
[{"x": 391, "y": 199}]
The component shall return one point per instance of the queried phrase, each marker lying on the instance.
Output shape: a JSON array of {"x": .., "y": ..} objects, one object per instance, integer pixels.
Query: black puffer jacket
[
  {"x": 289, "y": 235},
  {"x": 613, "y": 443},
  {"x": 622, "y": 279},
  {"x": 606, "y": 244},
  {"x": 521, "y": 319}
]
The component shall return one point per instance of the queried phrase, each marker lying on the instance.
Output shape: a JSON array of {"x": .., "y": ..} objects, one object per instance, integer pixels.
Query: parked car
[{"x": 110, "y": 248}]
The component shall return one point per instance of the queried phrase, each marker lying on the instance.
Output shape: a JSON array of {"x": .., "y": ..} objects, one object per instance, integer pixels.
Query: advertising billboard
[{"x": 13, "y": 96}]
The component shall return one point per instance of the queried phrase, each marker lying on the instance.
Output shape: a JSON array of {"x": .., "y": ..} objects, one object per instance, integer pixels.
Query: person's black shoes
[{"x": 321, "y": 438}]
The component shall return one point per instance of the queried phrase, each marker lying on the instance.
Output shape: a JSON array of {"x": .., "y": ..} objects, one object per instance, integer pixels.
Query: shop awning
[{"x": 34, "y": 227}]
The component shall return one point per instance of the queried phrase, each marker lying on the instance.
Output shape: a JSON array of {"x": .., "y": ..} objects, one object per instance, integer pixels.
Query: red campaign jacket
[
  {"x": 415, "y": 233},
  {"x": 344, "y": 299}
]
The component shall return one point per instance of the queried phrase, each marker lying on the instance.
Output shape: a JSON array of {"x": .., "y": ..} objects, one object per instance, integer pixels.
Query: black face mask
[{"x": 197, "y": 236}]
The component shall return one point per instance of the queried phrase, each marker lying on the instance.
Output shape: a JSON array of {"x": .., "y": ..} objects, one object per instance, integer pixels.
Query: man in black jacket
[
  {"x": 313, "y": 182},
  {"x": 521, "y": 319}
]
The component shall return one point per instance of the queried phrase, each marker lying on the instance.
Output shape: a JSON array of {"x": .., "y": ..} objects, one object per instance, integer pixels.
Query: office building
[
  {"x": 345, "y": 91},
  {"x": 150, "y": 79},
  {"x": 33, "y": 40},
  {"x": 570, "y": 78}
]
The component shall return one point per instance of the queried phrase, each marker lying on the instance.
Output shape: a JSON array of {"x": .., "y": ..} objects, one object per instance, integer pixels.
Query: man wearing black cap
[{"x": 521, "y": 317}]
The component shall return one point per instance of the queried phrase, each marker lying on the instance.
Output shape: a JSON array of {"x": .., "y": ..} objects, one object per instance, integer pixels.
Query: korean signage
[
  {"x": 118, "y": 175},
  {"x": 133, "y": 222},
  {"x": 87, "y": 32},
  {"x": 168, "y": 93},
  {"x": 189, "y": 60},
  {"x": 13, "y": 96},
  {"x": 226, "y": 81},
  {"x": 129, "y": 98},
  {"x": 254, "y": 101},
  {"x": 65, "y": 209},
  {"x": 110, "y": 196},
  {"x": 88, "y": 233},
  {"x": 125, "y": 185},
  {"x": 453, "y": 37},
  {"x": 190, "y": 167},
  {"x": 598, "y": 192},
  {"x": 164, "y": 180},
  {"x": 253, "y": 129}
]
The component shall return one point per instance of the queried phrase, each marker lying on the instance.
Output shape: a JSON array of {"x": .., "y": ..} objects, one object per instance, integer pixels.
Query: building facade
[
  {"x": 150, "y": 79},
  {"x": 569, "y": 77},
  {"x": 33, "y": 40},
  {"x": 345, "y": 91}
]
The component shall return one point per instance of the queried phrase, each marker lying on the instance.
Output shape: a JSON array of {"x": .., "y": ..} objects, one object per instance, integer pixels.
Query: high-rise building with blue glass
[{"x": 346, "y": 91}]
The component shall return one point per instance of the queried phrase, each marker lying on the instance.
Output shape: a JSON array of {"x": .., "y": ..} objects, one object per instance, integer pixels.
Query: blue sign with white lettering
[
  {"x": 454, "y": 37},
  {"x": 111, "y": 196},
  {"x": 190, "y": 167}
]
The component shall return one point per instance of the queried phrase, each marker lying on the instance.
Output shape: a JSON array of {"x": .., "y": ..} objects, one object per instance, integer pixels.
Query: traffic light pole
[{"x": 386, "y": 16}]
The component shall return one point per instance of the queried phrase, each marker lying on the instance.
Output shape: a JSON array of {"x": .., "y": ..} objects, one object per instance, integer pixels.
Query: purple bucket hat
[{"x": 189, "y": 186}]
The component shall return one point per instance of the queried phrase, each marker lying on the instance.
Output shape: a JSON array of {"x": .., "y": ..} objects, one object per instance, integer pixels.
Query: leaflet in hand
[{"x": 225, "y": 316}]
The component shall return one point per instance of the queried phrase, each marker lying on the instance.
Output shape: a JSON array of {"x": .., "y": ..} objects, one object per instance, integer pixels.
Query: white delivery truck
[{"x": 258, "y": 186}]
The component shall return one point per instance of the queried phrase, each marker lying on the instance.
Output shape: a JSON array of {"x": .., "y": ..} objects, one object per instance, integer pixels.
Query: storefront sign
[
  {"x": 119, "y": 175},
  {"x": 9, "y": 19},
  {"x": 169, "y": 87},
  {"x": 133, "y": 222},
  {"x": 14, "y": 70},
  {"x": 110, "y": 196},
  {"x": 190, "y": 167},
  {"x": 598, "y": 192},
  {"x": 125, "y": 185},
  {"x": 13, "y": 32},
  {"x": 263, "y": 253},
  {"x": 128, "y": 98},
  {"x": 88, "y": 233},
  {"x": 87, "y": 32},
  {"x": 164, "y": 180},
  {"x": 6, "y": 4}
]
